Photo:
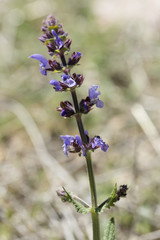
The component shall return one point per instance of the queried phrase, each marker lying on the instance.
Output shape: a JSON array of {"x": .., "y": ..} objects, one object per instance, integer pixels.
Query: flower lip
[
  {"x": 44, "y": 64},
  {"x": 41, "y": 58},
  {"x": 59, "y": 42},
  {"x": 66, "y": 79},
  {"x": 98, "y": 142},
  {"x": 93, "y": 95},
  {"x": 67, "y": 140},
  {"x": 56, "y": 85},
  {"x": 93, "y": 99},
  {"x": 78, "y": 140},
  {"x": 92, "y": 92}
]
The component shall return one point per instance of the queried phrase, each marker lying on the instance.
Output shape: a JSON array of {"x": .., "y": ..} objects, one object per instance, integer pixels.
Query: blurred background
[{"x": 121, "y": 53}]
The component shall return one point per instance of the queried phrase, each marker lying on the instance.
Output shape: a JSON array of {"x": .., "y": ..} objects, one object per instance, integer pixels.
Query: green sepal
[
  {"x": 55, "y": 27},
  {"x": 63, "y": 37},
  {"x": 109, "y": 232},
  {"x": 109, "y": 202},
  {"x": 79, "y": 207},
  {"x": 50, "y": 40}
]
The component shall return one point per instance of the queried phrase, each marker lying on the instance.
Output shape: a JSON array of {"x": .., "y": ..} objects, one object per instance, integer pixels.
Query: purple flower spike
[
  {"x": 44, "y": 65},
  {"x": 93, "y": 95},
  {"x": 59, "y": 42}
]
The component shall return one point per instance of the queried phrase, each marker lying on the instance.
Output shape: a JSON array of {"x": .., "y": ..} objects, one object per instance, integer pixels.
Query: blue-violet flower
[
  {"x": 44, "y": 64},
  {"x": 93, "y": 95},
  {"x": 71, "y": 144},
  {"x": 66, "y": 109},
  {"x": 87, "y": 104},
  {"x": 74, "y": 144},
  {"x": 67, "y": 82},
  {"x": 74, "y": 59},
  {"x": 98, "y": 142}
]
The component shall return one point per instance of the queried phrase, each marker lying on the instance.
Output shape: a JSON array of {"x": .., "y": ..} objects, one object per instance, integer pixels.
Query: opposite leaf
[
  {"x": 79, "y": 206},
  {"x": 109, "y": 233},
  {"x": 114, "y": 197},
  {"x": 109, "y": 202}
]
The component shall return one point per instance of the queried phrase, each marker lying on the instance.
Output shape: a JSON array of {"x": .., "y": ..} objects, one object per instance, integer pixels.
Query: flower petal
[
  {"x": 78, "y": 140},
  {"x": 43, "y": 71},
  {"x": 98, "y": 142},
  {"x": 67, "y": 139},
  {"x": 56, "y": 85},
  {"x": 42, "y": 59},
  {"x": 92, "y": 92},
  {"x": 59, "y": 42},
  {"x": 104, "y": 147},
  {"x": 68, "y": 80},
  {"x": 99, "y": 104}
]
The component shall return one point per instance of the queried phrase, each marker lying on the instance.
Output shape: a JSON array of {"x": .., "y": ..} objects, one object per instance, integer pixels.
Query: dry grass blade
[
  {"x": 53, "y": 169},
  {"x": 32, "y": 130},
  {"x": 147, "y": 126}
]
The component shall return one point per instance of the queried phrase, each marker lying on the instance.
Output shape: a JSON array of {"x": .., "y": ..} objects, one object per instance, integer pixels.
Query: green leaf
[
  {"x": 79, "y": 207},
  {"x": 109, "y": 202},
  {"x": 109, "y": 233}
]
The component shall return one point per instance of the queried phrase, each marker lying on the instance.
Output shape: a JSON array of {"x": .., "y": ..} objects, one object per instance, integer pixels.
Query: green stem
[
  {"x": 78, "y": 117},
  {"x": 95, "y": 216}
]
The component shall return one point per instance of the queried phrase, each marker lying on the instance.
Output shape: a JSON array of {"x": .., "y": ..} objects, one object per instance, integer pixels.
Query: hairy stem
[
  {"x": 78, "y": 117},
  {"x": 95, "y": 216}
]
